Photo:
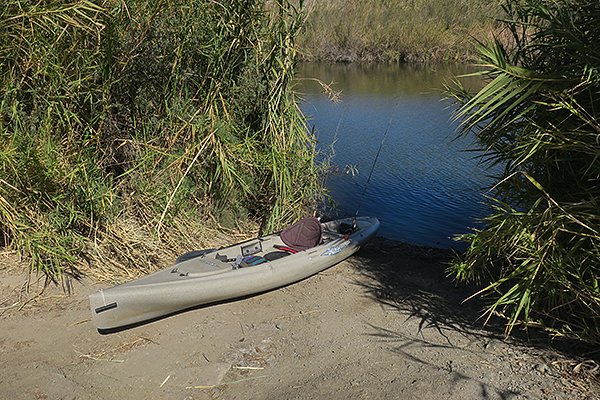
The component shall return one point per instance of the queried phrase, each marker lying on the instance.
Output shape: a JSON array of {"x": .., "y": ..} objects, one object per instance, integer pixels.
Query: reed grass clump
[
  {"x": 395, "y": 30},
  {"x": 129, "y": 129},
  {"x": 538, "y": 118}
]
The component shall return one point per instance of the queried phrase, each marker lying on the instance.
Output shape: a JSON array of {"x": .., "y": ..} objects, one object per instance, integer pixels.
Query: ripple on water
[{"x": 425, "y": 187}]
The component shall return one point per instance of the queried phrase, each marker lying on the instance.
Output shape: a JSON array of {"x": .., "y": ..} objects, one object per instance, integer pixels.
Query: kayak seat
[{"x": 303, "y": 235}]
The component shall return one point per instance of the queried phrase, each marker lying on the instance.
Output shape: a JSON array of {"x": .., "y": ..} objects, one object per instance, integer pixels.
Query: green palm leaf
[{"x": 538, "y": 118}]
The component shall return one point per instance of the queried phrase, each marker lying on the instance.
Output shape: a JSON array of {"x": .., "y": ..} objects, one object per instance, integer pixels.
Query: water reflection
[
  {"x": 425, "y": 188},
  {"x": 384, "y": 79}
]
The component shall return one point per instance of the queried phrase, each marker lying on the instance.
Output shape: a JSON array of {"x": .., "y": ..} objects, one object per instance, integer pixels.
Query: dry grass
[
  {"x": 395, "y": 31},
  {"x": 128, "y": 250}
]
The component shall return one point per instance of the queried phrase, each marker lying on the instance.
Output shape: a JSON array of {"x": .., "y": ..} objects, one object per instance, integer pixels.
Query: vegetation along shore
[
  {"x": 396, "y": 30},
  {"x": 133, "y": 131},
  {"x": 538, "y": 120}
]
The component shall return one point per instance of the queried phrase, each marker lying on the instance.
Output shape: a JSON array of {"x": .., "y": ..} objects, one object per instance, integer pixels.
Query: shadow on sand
[{"x": 411, "y": 281}]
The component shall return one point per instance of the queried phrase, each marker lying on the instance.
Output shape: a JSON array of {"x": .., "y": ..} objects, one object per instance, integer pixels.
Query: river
[{"x": 426, "y": 188}]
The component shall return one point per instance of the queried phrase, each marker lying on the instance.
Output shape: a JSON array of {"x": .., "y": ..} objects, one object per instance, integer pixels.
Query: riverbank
[
  {"x": 386, "y": 323},
  {"x": 396, "y": 30}
]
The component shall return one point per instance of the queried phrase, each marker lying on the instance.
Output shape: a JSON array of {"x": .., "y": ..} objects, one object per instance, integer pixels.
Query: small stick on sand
[
  {"x": 80, "y": 322},
  {"x": 100, "y": 359},
  {"x": 226, "y": 383},
  {"x": 165, "y": 381},
  {"x": 298, "y": 315}
]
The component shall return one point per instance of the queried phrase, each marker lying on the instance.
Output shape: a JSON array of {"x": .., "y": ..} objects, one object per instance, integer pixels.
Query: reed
[
  {"x": 538, "y": 119},
  {"x": 395, "y": 30},
  {"x": 131, "y": 131}
]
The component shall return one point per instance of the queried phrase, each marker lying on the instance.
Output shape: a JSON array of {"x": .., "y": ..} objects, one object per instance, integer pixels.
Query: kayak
[{"x": 255, "y": 266}]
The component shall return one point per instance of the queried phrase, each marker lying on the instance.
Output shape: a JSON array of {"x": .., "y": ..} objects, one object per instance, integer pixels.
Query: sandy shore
[{"x": 385, "y": 324}]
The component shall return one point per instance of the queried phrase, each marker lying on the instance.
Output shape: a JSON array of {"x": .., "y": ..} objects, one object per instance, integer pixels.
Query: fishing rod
[{"x": 370, "y": 174}]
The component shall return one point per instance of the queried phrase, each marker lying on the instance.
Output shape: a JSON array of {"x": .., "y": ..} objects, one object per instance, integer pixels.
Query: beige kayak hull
[{"x": 207, "y": 279}]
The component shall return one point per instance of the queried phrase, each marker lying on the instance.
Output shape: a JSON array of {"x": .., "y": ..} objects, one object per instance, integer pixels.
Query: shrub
[
  {"x": 123, "y": 121},
  {"x": 538, "y": 118}
]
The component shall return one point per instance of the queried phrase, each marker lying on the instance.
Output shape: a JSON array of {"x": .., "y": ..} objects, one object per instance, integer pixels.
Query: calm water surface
[{"x": 425, "y": 187}]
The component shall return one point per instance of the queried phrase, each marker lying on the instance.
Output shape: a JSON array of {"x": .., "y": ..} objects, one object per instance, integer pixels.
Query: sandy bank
[{"x": 386, "y": 323}]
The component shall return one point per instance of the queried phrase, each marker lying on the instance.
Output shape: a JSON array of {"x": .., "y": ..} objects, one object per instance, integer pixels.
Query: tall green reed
[
  {"x": 538, "y": 119},
  {"x": 122, "y": 122}
]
